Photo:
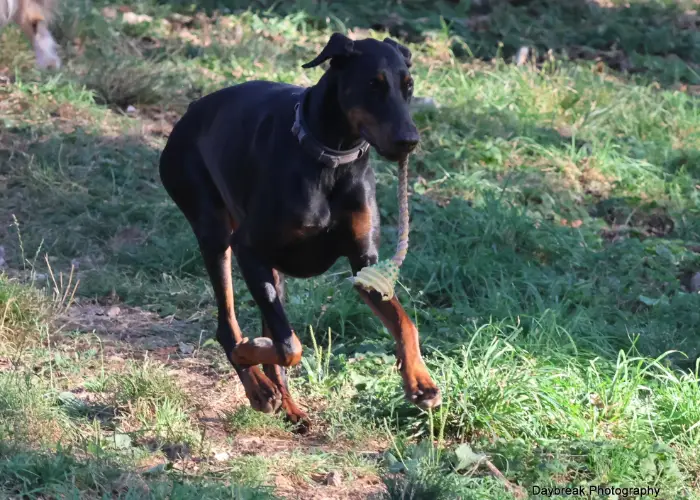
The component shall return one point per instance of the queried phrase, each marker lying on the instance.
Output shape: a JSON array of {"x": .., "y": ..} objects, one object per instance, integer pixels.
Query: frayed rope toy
[{"x": 382, "y": 276}]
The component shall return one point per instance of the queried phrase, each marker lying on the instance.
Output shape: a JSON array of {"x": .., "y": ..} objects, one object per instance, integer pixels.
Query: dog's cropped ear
[
  {"x": 338, "y": 46},
  {"x": 402, "y": 50}
]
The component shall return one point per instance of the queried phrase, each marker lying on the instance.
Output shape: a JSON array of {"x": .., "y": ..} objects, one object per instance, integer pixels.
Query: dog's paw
[
  {"x": 421, "y": 390},
  {"x": 261, "y": 391},
  {"x": 298, "y": 418}
]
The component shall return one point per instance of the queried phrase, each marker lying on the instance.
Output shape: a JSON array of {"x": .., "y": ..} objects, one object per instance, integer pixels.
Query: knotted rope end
[{"x": 381, "y": 277}]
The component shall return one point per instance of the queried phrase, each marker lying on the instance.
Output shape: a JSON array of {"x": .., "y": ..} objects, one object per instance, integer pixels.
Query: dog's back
[
  {"x": 250, "y": 122},
  {"x": 263, "y": 111}
]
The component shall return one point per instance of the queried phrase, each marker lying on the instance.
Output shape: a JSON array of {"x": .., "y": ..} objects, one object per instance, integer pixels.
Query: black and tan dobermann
[{"x": 280, "y": 176}]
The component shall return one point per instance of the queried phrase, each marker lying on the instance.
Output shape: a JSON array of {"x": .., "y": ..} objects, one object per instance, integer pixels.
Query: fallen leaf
[
  {"x": 649, "y": 301},
  {"x": 466, "y": 457},
  {"x": 120, "y": 441},
  {"x": 186, "y": 348},
  {"x": 157, "y": 469},
  {"x": 333, "y": 478}
]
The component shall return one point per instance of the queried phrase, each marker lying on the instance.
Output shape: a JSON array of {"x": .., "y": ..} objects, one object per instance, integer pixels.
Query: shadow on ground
[
  {"x": 658, "y": 39},
  {"x": 93, "y": 200}
]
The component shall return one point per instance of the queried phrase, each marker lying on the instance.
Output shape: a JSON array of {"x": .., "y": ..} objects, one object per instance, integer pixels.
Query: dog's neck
[{"x": 326, "y": 120}]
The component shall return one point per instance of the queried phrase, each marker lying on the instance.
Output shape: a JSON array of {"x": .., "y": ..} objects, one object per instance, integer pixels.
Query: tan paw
[
  {"x": 260, "y": 390},
  {"x": 420, "y": 389},
  {"x": 300, "y": 420}
]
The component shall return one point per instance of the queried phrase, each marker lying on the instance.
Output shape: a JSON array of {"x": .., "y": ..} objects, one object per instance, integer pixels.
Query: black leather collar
[{"x": 329, "y": 157}]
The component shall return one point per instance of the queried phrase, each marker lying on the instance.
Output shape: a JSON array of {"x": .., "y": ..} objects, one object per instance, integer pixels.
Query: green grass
[{"x": 555, "y": 231}]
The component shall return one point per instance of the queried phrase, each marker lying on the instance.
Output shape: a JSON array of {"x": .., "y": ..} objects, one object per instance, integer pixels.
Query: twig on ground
[{"x": 516, "y": 490}]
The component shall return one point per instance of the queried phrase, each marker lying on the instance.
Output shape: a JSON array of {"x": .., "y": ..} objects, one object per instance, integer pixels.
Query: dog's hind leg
[
  {"x": 260, "y": 390},
  {"x": 195, "y": 195},
  {"x": 278, "y": 374}
]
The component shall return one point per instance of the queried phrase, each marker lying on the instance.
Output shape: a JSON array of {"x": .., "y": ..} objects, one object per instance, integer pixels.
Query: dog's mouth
[
  {"x": 365, "y": 135},
  {"x": 389, "y": 155}
]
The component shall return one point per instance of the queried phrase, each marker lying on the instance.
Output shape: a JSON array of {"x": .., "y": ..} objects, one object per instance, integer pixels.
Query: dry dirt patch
[{"x": 132, "y": 333}]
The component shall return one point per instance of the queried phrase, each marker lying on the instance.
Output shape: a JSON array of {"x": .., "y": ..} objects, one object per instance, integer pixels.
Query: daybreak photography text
[{"x": 590, "y": 491}]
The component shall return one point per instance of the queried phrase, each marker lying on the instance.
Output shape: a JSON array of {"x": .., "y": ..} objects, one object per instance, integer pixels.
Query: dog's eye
[
  {"x": 408, "y": 88},
  {"x": 377, "y": 84}
]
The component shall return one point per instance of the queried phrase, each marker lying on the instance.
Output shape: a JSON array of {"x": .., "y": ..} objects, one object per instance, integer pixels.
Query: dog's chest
[
  {"x": 309, "y": 221},
  {"x": 317, "y": 207},
  {"x": 310, "y": 242},
  {"x": 317, "y": 231}
]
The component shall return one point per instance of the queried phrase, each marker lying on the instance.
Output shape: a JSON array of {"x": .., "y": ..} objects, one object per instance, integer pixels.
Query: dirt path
[{"x": 132, "y": 333}]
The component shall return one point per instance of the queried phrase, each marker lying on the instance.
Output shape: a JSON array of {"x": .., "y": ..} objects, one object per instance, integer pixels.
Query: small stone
[
  {"x": 109, "y": 13},
  {"x": 113, "y": 311},
  {"x": 237, "y": 33},
  {"x": 179, "y": 18},
  {"x": 333, "y": 478},
  {"x": 221, "y": 457},
  {"x": 695, "y": 283},
  {"x": 130, "y": 109},
  {"x": 133, "y": 18},
  {"x": 176, "y": 451},
  {"x": 186, "y": 348}
]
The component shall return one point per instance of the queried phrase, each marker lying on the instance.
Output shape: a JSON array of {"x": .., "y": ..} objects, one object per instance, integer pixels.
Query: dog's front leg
[
  {"x": 45, "y": 47},
  {"x": 418, "y": 385},
  {"x": 283, "y": 348},
  {"x": 36, "y": 28}
]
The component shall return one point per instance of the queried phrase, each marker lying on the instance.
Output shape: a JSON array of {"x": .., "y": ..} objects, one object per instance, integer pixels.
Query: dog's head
[{"x": 374, "y": 91}]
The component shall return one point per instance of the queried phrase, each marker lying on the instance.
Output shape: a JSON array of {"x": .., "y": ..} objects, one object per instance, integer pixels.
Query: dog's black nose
[
  {"x": 407, "y": 141},
  {"x": 407, "y": 145}
]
